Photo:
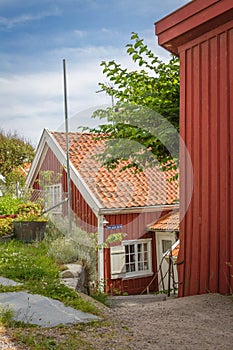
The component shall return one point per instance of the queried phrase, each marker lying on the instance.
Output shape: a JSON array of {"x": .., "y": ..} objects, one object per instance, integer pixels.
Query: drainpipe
[{"x": 101, "y": 252}]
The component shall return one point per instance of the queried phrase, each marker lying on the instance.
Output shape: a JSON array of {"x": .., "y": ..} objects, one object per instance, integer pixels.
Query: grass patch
[
  {"x": 38, "y": 273},
  {"x": 6, "y": 316},
  {"x": 91, "y": 336}
]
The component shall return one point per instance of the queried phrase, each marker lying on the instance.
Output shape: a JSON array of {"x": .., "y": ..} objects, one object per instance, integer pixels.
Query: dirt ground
[
  {"x": 202, "y": 322},
  {"x": 198, "y": 322}
]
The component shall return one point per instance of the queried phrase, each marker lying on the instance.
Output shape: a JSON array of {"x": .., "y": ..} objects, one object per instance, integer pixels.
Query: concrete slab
[
  {"x": 42, "y": 311},
  {"x": 7, "y": 282},
  {"x": 132, "y": 300},
  {"x": 39, "y": 310}
]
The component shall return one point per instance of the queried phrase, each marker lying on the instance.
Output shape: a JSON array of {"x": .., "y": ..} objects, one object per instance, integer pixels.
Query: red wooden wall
[
  {"x": 206, "y": 125},
  {"x": 81, "y": 210},
  {"x": 134, "y": 225}
]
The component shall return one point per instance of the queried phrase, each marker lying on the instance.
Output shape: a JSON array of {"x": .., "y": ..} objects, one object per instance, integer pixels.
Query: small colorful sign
[{"x": 114, "y": 227}]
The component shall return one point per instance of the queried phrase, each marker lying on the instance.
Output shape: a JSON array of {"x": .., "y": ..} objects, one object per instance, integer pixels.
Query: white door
[{"x": 164, "y": 241}]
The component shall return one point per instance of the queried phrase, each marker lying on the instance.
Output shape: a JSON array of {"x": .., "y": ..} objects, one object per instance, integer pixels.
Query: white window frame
[
  {"x": 119, "y": 260},
  {"x": 53, "y": 197}
]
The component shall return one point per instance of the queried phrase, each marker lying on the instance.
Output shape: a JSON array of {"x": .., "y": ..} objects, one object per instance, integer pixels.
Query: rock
[
  {"x": 75, "y": 277},
  {"x": 66, "y": 274}
]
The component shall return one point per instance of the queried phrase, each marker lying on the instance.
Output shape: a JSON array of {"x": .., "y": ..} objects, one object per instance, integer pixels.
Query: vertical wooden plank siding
[
  {"x": 224, "y": 153},
  {"x": 204, "y": 168},
  {"x": 183, "y": 184},
  {"x": 51, "y": 163},
  {"x": 133, "y": 224},
  {"x": 230, "y": 57},
  {"x": 206, "y": 124},
  {"x": 194, "y": 123},
  {"x": 80, "y": 208},
  {"x": 214, "y": 166}
]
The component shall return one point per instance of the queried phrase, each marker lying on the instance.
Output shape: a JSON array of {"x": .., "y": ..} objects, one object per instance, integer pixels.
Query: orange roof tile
[
  {"x": 169, "y": 222},
  {"x": 115, "y": 188}
]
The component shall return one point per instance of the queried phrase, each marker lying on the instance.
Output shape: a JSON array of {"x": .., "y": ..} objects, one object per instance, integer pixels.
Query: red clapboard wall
[
  {"x": 201, "y": 33},
  {"x": 88, "y": 220}
]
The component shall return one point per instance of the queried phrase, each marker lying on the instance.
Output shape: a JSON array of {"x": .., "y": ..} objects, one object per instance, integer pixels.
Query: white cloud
[
  {"x": 11, "y": 22},
  {"x": 30, "y": 102}
]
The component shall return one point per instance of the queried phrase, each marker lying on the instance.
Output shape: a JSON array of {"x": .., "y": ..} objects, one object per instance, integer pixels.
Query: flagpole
[{"x": 67, "y": 151}]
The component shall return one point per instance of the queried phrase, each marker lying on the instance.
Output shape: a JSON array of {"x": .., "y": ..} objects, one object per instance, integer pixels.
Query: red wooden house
[
  {"x": 109, "y": 202},
  {"x": 201, "y": 33}
]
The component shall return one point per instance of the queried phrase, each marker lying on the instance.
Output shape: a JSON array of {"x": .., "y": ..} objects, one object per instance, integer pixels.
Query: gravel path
[
  {"x": 6, "y": 342},
  {"x": 202, "y": 322},
  {"x": 199, "y": 322}
]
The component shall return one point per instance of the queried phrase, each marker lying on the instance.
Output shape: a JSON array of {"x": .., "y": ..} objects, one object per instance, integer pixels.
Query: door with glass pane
[{"x": 164, "y": 241}]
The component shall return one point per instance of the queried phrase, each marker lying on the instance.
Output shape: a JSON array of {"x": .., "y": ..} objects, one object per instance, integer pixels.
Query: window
[
  {"x": 54, "y": 197},
  {"x": 132, "y": 259},
  {"x": 166, "y": 245}
]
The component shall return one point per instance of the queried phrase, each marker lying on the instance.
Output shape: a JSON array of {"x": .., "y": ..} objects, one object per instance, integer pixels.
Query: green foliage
[
  {"x": 79, "y": 246},
  {"x": 114, "y": 238},
  {"x": 144, "y": 122},
  {"x": 47, "y": 178},
  {"x": 9, "y": 205},
  {"x": 6, "y": 227},
  {"x": 30, "y": 211},
  {"x": 31, "y": 261},
  {"x": 14, "y": 153},
  {"x": 98, "y": 292},
  {"x": 6, "y": 316}
]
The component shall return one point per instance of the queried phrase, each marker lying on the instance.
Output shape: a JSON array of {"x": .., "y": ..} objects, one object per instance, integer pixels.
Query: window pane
[
  {"x": 132, "y": 267},
  {"x": 140, "y": 266},
  {"x": 131, "y": 247},
  {"x": 166, "y": 244},
  {"x": 130, "y": 258}
]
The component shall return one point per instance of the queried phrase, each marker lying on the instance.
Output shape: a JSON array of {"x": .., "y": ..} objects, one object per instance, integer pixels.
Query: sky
[{"x": 37, "y": 35}]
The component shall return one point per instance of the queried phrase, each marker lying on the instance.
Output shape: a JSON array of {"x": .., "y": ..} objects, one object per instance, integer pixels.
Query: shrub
[
  {"x": 79, "y": 246},
  {"x": 6, "y": 227},
  {"x": 9, "y": 205}
]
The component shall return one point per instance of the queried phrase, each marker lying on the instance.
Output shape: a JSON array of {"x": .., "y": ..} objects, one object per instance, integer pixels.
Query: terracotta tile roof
[
  {"x": 115, "y": 189},
  {"x": 169, "y": 222}
]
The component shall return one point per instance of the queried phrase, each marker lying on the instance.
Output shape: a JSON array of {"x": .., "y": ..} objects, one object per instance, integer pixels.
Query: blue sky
[{"x": 36, "y": 35}]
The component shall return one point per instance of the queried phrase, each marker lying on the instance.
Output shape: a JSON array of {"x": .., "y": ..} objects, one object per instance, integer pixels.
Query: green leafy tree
[
  {"x": 15, "y": 151},
  {"x": 142, "y": 125}
]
